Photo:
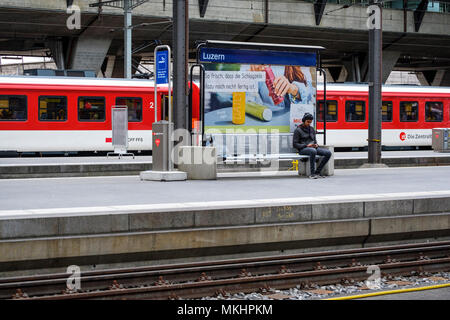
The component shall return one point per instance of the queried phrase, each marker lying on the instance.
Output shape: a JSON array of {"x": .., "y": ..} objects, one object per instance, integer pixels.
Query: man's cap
[{"x": 307, "y": 116}]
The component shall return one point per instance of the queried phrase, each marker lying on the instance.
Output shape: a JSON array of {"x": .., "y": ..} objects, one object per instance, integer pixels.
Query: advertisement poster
[{"x": 258, "y": 96}]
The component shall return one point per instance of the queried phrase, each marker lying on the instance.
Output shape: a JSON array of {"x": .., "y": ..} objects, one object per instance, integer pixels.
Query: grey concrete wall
[
  {"x": 89, "y": 249},
  {"x": 90, "y": 52},
  {"x": 286, "y": 12},
  {"x": 96, "y": 237},
  {"x": 71, "y": 170},
  {"x": 100, "y": 222}
]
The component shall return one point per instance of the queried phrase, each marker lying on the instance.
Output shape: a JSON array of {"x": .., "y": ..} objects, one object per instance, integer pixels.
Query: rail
[{"x": 195, "y": 280}]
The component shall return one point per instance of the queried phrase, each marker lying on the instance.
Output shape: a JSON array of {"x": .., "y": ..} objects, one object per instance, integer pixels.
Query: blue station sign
[
  {"x": 162, "y": 67},
  {"x": 219, "y": 55}
]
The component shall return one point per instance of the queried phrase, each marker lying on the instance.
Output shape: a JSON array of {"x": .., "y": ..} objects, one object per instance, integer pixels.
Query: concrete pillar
[
  {"x": 354, "y": 72},
  {"x": 422, "y": 79},
  {"x": 118, "y": 70},
  {"x": 442, "y": 78},
  {"x": 434, "y": 78},
  {"x": 343, "y": 75},
  {"x": 57, "y": 51},
  {"x": 110, "y": 66},
  {"x": 333, "y": 73},
  {"x": 330, "y": 77},
  {"x": 89, "y": 52},
  {"x": 351, "y": 74},
  {"x": 389, "y": 60}
]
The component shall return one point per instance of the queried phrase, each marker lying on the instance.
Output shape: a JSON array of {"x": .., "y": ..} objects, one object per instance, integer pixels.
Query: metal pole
[
  {"x": 169, "y": 91},
  {"x": 180, "y": 63},
  {"x": 201, "y": 102},
  {"x": 127, "y": 38},
  {"x": 375, "y": 83},
  {"x": 325, "y": 107},
  {"x": 266, "y": 11}
]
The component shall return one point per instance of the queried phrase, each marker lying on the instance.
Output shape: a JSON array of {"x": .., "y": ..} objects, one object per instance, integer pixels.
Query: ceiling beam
[
  {"x": 202, "y": 5},
  {"x": 419, "y": 13},
  {"x": 319, "y": 7}
]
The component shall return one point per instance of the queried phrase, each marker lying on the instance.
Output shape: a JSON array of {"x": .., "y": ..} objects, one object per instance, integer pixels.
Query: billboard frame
[{"x": 267, "y": 47}]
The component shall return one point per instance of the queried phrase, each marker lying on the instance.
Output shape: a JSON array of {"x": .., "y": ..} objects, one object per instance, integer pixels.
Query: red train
[
  {"x": 74, "y": 114},
  {"x": 408, "y": 114}
]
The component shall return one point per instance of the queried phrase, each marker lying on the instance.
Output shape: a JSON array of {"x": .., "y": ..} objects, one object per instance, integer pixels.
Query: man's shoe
[
  {"x": 313, "y": 176},
  {"x": 320, "y": 175}
]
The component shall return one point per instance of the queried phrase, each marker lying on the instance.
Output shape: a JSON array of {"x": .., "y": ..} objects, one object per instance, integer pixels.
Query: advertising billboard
[{"x": 254, "y": 90}]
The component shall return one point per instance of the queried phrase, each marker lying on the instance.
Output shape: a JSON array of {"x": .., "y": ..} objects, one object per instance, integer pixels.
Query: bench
[
  {"x": 257, "y": 148},
  {"x": 303, "y": 170}
]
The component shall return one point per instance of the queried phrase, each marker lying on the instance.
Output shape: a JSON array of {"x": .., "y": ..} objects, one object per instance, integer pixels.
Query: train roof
[
  {"x": 364, "y": 87},
  {"x": 144, "y": 83},
  {"x": 75, "y": 81}
]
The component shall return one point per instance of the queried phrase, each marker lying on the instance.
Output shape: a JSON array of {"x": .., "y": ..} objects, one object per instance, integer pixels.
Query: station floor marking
[
  {"x": 67, "y": 178},
  {"x": 381, "y": 293},
  {"x": 215, "y": 205}
]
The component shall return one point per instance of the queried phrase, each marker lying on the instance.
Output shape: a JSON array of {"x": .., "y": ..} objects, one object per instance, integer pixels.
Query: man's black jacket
[{"x": 303, "y": 136}]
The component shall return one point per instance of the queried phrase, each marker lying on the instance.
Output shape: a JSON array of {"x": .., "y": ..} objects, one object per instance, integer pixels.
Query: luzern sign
[{"x": 219, "y": 55}]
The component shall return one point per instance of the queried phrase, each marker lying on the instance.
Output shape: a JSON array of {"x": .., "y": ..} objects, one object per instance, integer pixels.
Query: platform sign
[
  {"x": 256, "y": 90},
  {"x": 162, "y": 67}
]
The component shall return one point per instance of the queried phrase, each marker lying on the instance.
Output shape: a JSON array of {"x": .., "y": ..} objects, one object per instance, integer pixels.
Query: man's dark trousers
[{"x": 312, "y": 152}]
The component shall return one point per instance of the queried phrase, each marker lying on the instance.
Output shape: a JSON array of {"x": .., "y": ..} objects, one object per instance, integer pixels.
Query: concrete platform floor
[
  {"x": 40, "y": 193},
  {"x": 145, "y": 159},
  {"x": 432, "y": 294}
]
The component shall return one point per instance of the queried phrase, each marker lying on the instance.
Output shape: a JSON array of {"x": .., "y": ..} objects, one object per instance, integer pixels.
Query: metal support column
[
  {"x": 180, "y": 28},
  {"x": 127, "y": 38},
  {"x": 127, "y": 6},
  {"x": 375, "y": 81}
]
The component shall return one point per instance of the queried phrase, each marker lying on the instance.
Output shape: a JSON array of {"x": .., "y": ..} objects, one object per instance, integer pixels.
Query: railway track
[{"x": 200, "y": 279}]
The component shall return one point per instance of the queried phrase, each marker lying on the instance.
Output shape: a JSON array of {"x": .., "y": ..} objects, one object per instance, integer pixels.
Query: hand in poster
[{"x": 281, "y": 84}]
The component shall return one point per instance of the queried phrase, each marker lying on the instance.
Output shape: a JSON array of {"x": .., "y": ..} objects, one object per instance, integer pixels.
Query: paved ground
[
  {"x": 138, "y": 159},
  {"x": 433, "y": 294},
  {"x": 72, "y": 160},
  {"x": 17, "y": 194}
]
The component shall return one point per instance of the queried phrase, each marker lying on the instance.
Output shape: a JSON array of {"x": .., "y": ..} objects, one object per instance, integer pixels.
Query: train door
[{"x": 164, "y": 103}]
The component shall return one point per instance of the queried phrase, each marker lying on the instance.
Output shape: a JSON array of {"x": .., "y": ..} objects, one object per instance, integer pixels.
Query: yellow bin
[{"x": 238, "y": 113}]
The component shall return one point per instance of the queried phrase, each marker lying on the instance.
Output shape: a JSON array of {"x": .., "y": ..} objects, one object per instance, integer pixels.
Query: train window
[
  {"x": 331, "y": 110},
  {"x": 134, "y": 108},
  {"x": 52, "y": 108},
  {"x": 91, "y": 109},
  {"x": 434, "y": 111},
  {"x": 409, "y": 111},
  {"x": 386, "y": 111},
  {"x": 355, "y": 111},
  {"x": 13, "y": 108}
]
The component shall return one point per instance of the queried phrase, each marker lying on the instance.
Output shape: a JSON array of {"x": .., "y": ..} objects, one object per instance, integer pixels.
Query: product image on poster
[{"x": 258, "y": 96}]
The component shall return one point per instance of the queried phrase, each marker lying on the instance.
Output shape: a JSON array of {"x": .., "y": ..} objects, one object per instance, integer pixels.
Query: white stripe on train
[
  {"x": 95, "y": 140},
  {"x": 69, "y": 140}
]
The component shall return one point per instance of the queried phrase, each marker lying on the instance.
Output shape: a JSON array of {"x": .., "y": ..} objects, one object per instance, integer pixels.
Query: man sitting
[{"x": 305, "y": 142}]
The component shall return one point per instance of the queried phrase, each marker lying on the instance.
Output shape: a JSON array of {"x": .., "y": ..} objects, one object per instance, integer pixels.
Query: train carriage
[
  {"x": 40, "y": 114},
  {"x": 74, "y": 114},
  {"x": 409, "y": 113}
]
